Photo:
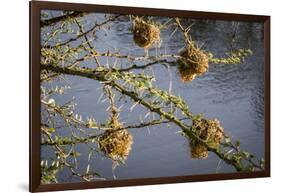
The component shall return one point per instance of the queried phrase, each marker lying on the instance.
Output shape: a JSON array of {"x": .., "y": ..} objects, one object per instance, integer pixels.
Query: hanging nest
[
  {"x": 194, "y": 62},
  {"x": 209, "y": 131},
  {"x": 116, "y": 143},
  {"x": 198, "y": 151},
  {"x": 145, "y": 34}
]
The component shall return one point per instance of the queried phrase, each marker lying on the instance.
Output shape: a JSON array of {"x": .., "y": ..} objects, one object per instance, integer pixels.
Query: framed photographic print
[{"x": 123, "y": 96}]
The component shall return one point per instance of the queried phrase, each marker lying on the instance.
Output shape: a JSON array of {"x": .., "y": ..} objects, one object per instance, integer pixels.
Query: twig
[{"x": 54, "y": 20}]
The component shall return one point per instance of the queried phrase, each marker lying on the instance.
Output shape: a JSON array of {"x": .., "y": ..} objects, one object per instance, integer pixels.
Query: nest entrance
[
  {"x": 145, "y": 34},
  {"x": 193, "y": 62},
  {"x": 209, "y": 131}
]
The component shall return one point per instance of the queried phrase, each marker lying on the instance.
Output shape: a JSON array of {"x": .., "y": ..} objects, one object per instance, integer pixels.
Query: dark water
[{"x": 232, "y": 94}]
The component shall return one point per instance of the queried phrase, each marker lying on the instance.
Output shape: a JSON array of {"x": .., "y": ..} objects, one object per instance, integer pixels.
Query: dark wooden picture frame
[{"x": 34, "y": 100}]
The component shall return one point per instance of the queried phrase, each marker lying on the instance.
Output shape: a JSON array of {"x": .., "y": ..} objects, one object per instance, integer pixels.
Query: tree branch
[
  {"x": 54, "y": 20},
  {"x": 134, "y": 96}
]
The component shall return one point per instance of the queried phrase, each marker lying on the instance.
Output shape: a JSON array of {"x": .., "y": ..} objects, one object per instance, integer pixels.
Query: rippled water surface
[{"x": 232, "y": 94}]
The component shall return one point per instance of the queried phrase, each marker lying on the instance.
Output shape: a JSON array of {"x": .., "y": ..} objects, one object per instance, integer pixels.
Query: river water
[{"x": 232, "y": 94}]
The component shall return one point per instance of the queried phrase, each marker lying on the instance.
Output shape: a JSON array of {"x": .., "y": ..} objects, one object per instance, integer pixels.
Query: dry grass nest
[
  {"x": 198, "y": 151},
  {"x": 194, "y": 62},
  {"x": 209, "y": 131},
  {"x": 145, "y": 34},
  {"x": 116, "y": 143}
]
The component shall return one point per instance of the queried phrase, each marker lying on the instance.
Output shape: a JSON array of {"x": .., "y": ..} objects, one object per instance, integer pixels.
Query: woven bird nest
[
  {"x": 193, "y": 62},
  {"x": 209, "y": 131},
  {"x": 145, "y": 34},
  {"x": 116, "y": 143},
  {"x": 198, "y": 151}
]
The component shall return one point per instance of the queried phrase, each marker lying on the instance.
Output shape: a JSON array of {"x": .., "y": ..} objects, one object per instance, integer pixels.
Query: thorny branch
[
  {"x": 62, "y": 59},
  {"x": 135, "y": 96}
]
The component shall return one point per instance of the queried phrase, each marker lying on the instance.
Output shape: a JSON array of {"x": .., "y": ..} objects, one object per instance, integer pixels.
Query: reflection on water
[{"x": 232, "y": 94}]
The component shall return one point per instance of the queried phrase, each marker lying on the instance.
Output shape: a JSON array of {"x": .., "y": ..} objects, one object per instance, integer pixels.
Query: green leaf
[
  {"x": 51, "y": 130},
  {"x": 237, "y": 144}
]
